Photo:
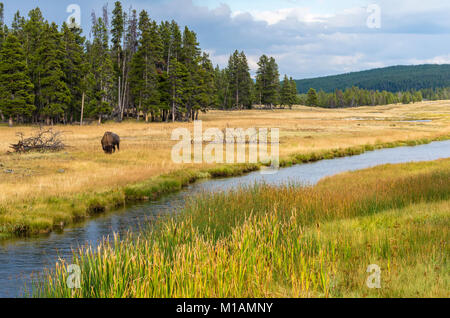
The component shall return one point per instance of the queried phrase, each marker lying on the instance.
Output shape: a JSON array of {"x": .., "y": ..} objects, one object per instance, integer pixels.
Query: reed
[{"x": 289, "y": 241}]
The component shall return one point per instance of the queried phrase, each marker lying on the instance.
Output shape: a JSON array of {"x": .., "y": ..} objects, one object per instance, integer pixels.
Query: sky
[{"x": 308, "y": 38}]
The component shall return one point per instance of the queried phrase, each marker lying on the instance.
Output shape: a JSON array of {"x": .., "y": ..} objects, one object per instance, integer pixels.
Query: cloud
[
  {"x": 442, "y": 59},
  {"x": 276, "y": 16},
  {"x": 307, "y": 38}
]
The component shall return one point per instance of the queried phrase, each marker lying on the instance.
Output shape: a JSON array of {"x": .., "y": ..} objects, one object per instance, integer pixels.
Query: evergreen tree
[
  {"x": 222, "y": 85},
  {"x": 55, "y": 95},
  {"x": 144, "y": 74},
  {"x": 18, "y": 25},
  {"x": 294, "y": 92},
  {"x": 190, "y": 58},
  {"x": 208, "y": 97},
  {"x": 268, "y": 81},
  {"x": 285, "y": 92},
  {"x": 312, "y": 99},
  {"x": 101, "y": 72},
  {"x": 16, "y": 89},
  {"x": 74, "y": 67},
  {"x": 119, "y": 57},
  {"x": 239, "y": 83},
  {"x": 406, "y": 98},
  {"x": 176, "y": 72},
  {"x": 3, "y": 32},
  {"x": 31, "y": 33}
]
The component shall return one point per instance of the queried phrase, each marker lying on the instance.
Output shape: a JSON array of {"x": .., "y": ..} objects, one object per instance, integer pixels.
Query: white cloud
[
  {"x": 275, "y": 16},
  {"x": 442, "y": 59}
]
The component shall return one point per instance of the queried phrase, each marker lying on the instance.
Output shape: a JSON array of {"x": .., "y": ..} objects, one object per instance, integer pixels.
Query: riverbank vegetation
[
  {"x": 41, "y": 192},
  {"x": 288, "y": 241}
]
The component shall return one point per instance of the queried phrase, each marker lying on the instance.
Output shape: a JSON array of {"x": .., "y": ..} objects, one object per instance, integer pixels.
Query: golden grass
[
  {"x": 84, "y": 169},
  {"x": 288, "y": 241}
]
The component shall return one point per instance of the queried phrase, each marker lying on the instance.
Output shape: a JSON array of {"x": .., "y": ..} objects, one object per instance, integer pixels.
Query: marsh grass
[
  {"x": 289, "y": 241},
  {"x": 38, "y": 198},
  {"x": 45, "y": 214}
]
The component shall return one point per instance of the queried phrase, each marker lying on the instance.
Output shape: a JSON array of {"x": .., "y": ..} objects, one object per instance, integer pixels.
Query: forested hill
[{"x": 392, "y": 79}]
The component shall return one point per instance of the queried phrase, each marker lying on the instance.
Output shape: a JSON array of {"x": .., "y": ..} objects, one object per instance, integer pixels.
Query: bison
[{"x": 109, "y": 142}]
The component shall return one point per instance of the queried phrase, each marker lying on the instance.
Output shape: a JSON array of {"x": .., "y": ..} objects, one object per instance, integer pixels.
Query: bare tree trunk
[
  {"x": 173, "y": 111},
  {"x": 138, "y": 111},
  {"x": 82, "y": 109}
]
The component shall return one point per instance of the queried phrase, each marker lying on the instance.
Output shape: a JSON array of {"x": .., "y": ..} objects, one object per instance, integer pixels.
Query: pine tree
[
  {"x": 18, "y": 26},
  {"x": 74, "y": 67},
  {"x": 239, "y": 81},
  {"x": 268, "y": 81},
  {"x": 55, "y": 95},
  {"x": 3, "y": 32},
  {"x": 144, "y": 75},
  {"x": 190, "y": 58},
  {"x": 176, "y": 71},
  {"x": 119, "y": 56},
  {"x": 31, "y": 33},
  {"x": 312, "y": 99},
  {"x": 101, "y": 72},
  {"x": 285, "y": 92},
  {"x": 288, "y": 92},
  {"x": 16, "y": 89},
  {"x": 293, "y": 92},
  {"x": 221, "y": 83}
]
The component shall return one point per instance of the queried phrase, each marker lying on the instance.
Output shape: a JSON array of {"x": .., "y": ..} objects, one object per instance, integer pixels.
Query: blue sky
[{"x": 307, "y": 37}]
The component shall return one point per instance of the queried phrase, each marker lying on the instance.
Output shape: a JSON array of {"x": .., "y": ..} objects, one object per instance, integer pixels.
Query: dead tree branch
[{"x": 44, "y": 141}]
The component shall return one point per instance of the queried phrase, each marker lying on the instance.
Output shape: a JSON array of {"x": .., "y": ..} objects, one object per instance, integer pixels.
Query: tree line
[
  {"x": 355, "y": 96},
  {"x": 130, "y": 67},
  {"x": 392, "y": 79}
]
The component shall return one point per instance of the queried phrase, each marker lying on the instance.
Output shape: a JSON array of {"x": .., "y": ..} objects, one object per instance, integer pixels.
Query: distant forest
[
  {"x": 354, "y": 97},
  {"x": 391, "y": 79}
]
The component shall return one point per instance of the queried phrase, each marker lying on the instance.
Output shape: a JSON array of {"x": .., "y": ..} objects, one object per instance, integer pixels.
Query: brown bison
[{"x": 109, "y": 142}]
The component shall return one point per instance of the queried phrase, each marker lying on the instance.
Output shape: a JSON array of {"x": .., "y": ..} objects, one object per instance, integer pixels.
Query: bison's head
[{"x": 108, "y": 149}]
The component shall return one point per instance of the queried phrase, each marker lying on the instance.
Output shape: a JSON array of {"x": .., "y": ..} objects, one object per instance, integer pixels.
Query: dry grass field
[{"x": 146, "y": 148}]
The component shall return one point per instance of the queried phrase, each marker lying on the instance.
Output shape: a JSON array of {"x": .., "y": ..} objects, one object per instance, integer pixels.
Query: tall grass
[
  {"x": 43, "y": 215},
  {"x": 38, "y": 198},
  {"x": 289, "y": 241}
]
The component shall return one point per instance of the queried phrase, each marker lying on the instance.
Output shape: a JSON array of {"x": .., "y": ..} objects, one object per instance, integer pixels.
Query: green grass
[
  {"x": 42, "y": 216},
  {"x": 289, "y": 241}
]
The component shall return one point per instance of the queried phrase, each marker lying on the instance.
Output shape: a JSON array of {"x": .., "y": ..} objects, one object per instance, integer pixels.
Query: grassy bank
[
  {"x": 291, "y": 241},
  {"x": 45, "y": 214}
]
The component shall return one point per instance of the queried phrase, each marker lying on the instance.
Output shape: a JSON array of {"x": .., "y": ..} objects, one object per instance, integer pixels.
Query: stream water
[{"x": 19, "y": 259}]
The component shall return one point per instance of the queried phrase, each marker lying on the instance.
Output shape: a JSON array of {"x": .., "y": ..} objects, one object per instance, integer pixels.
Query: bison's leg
[{"x": 118, "y": 146}]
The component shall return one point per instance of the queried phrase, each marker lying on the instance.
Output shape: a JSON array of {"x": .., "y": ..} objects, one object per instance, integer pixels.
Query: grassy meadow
[
  {"x": 41, "y": 192},
  {"x": 289, "y": 241}
]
